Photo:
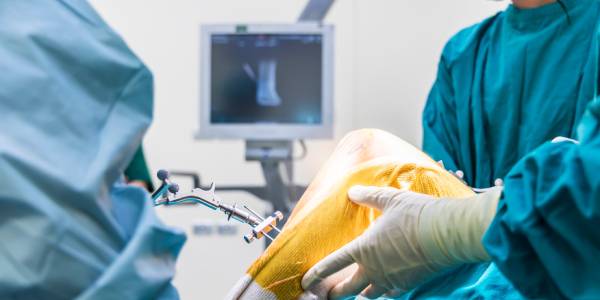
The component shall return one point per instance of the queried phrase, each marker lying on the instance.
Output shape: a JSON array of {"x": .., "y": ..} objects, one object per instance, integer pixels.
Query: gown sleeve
[
  {"x": 138, "y": 169},
  {"x": 546, "y": 234},
  {"x": 439, "y": 120}
]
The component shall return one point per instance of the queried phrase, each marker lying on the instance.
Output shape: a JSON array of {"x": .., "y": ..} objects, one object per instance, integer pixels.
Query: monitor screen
[{"x": 271, "y": 78}]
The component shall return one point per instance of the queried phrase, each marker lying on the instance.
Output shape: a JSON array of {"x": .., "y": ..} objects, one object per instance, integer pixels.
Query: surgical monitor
[{"x": 266, "y": 82}]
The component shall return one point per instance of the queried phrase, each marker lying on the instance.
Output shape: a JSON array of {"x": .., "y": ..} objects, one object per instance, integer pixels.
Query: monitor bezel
[{"x": 276, "y": 131}]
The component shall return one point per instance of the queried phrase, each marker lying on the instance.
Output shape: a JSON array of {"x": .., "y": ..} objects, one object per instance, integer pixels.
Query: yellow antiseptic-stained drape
[{"x": 324, "y": 219}]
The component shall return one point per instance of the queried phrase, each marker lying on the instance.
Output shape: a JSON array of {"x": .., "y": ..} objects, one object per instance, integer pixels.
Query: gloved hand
[{"x": 416, "y": 237}]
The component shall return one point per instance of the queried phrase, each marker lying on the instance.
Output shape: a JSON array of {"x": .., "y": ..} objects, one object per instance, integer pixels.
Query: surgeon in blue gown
[
  {"x": 504, "y": 87},
  {"x": 75, "y": 103}
]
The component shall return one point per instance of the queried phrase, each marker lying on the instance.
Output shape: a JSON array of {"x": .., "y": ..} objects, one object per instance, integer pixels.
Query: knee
[{"x": 364, "y": 134}]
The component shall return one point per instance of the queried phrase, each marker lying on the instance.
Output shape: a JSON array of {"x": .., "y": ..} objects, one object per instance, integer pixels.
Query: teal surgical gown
[
  {"x": 74, "y": 105},
  {"x": 504, "y": 87},
  {"x": 546, "y": 236}
]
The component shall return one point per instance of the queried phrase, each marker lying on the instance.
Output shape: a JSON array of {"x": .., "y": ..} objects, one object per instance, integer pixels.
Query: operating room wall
[
  {"x": 398, "y": 44},
  {"x": 386, "y": 53}
]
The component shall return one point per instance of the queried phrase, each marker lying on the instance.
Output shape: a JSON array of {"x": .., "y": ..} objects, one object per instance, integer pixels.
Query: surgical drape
[
  {"x": 74, "y": 103},
  {"x": 325, "y": 220}
]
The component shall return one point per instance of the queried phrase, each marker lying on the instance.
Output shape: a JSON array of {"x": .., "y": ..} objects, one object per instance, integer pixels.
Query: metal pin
[
  {"x": 266, "y": 235},
  {"x": 254, "y": 213},
  {"x": 276, "y": 229}
]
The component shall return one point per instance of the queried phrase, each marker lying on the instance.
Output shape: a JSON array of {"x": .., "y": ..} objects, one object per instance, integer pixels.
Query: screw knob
[
  {"x": 174, "y": 188},
  {"x": 162, "y": 174}
]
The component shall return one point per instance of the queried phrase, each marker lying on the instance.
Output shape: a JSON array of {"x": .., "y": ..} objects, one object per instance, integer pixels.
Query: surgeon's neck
[{"x": 531, "y": 3}]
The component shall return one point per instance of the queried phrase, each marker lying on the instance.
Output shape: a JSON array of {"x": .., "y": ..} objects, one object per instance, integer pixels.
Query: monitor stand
[
  {"x": 277, "y": 163},
  {"x": 315, "y": 11}
]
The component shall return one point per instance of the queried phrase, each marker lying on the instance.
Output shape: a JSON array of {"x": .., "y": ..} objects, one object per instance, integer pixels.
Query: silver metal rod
[
  {"x": 266, "y": 235},
  {"x": 240, "y": 215},
  {"x": 254, "y": 213},
  {"x": 275, "y": 228}
]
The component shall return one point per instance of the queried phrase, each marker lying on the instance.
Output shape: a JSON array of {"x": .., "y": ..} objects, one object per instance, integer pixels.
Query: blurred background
[{"x": 385, "y": 59}]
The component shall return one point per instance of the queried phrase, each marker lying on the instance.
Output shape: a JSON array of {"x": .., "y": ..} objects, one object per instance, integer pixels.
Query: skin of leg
[{"x": 324, "y": 219}]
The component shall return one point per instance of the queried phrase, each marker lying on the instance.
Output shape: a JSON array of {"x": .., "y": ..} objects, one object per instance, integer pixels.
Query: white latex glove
[{"x": 416, "y": 237}]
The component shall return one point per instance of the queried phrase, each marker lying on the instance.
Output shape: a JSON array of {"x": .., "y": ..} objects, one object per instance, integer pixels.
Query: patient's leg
[{"x": 324, "y": 219}]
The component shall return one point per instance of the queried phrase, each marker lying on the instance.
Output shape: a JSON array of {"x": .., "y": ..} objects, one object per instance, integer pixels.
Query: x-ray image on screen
[
  {"x": 266, "y": 78},
  {"x": 266, "y": 82}
]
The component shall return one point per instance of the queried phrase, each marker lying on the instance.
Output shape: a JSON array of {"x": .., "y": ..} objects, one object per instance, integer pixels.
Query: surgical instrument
[{"x": 168, "y": 194}]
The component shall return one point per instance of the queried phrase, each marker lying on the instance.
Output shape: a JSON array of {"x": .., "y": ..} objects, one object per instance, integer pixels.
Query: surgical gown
[
  {"x": 545, "y": 236},
  {"x": 504, "y": 87},
  {"x": 74, "y": 104}
]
